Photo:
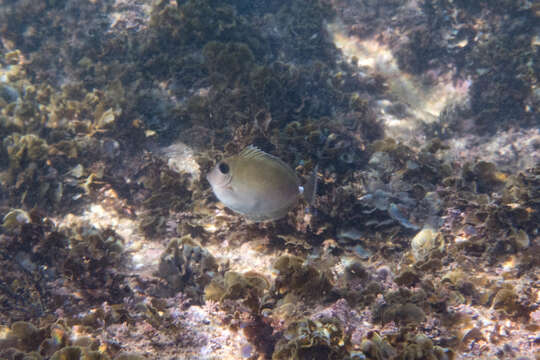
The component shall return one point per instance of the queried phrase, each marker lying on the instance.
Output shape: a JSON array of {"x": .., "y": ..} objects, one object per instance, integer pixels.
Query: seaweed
[
  {"x": 313, "y": 339},
  {"x": 402, "y": 306},
  {"x": 230, "y": 61},
  {"x": 187, "y": 267},
  {"x": 302, "y": 279}
]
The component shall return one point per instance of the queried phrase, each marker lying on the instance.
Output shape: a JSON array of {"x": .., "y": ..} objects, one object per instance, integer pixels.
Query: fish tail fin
[{"x": 310, "y": 189}]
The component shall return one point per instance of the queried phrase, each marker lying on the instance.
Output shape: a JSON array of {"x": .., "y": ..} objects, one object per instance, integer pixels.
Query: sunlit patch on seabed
[
  {"x": 144, "y": 254},
  {"x": 4, "y": 332},
  {"x": 424, "y": 102}
]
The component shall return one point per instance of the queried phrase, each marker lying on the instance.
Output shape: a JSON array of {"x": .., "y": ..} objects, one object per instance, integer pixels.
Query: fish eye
[{"x": 224, "y": 168}]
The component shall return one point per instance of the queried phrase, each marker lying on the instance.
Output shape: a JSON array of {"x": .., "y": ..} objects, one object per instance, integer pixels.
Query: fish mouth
[
  {"x": 210, "y": 179},
  {"x": 213, "y": 178}
]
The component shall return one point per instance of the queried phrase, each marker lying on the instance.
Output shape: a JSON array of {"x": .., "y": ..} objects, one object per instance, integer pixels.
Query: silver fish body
[{"x": 255, "y": 184}]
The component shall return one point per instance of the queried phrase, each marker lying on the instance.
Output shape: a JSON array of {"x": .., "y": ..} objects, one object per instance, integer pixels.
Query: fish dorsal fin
[{"x": 253, "y": 152}]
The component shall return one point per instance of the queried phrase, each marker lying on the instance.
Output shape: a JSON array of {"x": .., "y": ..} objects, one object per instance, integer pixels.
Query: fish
[{"x": 257, "y": 185}]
